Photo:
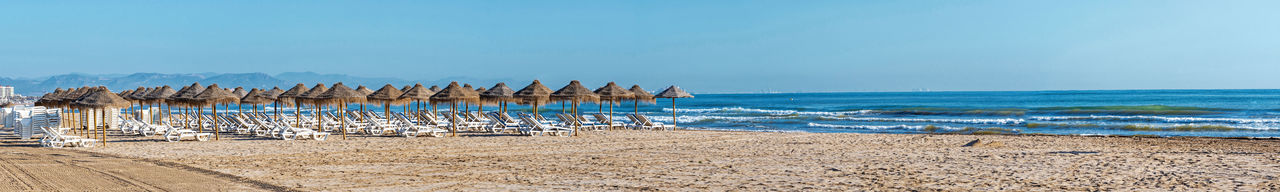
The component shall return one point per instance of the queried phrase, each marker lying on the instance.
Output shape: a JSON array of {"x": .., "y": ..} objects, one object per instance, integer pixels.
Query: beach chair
[
  {"x": 646, "y": 123},
  {"x": 409, "y": 129},
  {"x": 353, "y": 126},
  {"x": 539, "y": 128},
  {"x": 589, "y": 124},
  {"x": 53, "y": 138},
  {"x": 500, "y": 126},
  {"x": 604, "y": 120},
  {"x": 175, "y": 134},
  {"x": 288, "y": 132}
]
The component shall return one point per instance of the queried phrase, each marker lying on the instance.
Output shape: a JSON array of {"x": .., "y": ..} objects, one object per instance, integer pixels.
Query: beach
[{"x": 724, "y": 160}]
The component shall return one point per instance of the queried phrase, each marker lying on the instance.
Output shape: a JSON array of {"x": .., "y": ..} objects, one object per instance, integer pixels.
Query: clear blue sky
[{"x": 704, "y": 46}]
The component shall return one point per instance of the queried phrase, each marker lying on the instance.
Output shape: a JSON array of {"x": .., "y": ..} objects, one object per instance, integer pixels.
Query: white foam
[
  {"x": 1003, "y": 121},
  {"x": 768, "y": 111},
  {"x": 878, "y": 127},
  {"x": 696, "y": 118},
  {"x": 1158, "y": 118}
]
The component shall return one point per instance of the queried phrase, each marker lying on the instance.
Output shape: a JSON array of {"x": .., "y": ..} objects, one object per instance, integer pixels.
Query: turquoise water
[{"x": 1215, "y": 113}]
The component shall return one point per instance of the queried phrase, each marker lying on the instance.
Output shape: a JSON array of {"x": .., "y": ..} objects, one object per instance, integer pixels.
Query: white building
[{"x": 6, "y": 91}]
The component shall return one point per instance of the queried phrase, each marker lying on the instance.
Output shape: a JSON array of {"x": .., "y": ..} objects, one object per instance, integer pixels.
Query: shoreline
[{"x": 730, "y": 160}]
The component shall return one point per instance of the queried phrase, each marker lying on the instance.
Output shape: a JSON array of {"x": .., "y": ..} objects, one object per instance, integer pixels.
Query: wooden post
[
  {"x": 386, "y": 110},
  {"x": 216, "y": 129},
  {"x": 453, "y": 122},
  {"x": 104, "y": 128},
  {"x": 319, "y": 123},
  {"x": 610, "y": 121},
  {"x": 673, "y": 114},
  {"x": 342, "y": 117},
  {"x": 575, "y": 117}
]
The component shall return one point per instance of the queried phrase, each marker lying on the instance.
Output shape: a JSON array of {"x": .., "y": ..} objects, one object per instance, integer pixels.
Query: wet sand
[{"x": 714, "y": 160}]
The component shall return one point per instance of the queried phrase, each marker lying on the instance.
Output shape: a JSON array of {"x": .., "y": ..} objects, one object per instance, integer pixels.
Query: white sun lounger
[{"x": 55, "y": 139}]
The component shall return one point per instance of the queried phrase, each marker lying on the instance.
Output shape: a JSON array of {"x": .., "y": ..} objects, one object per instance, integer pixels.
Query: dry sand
[
  {"x": 710, "y": 160},
  {"x": 24, "y": 167}
]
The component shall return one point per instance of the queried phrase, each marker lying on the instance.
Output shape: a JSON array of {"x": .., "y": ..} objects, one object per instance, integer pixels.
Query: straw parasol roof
[
  {"x": 293, "y": 94},
  {"x": 314, "y": 96},
  {"x": 416, "y": 93},
  {"x": 499, "y": 92},
  {"x": 273, "y": 94},
  {"x": 575, "y": 92},
  {"x": 71, "y": 96},
  {"x": 46, "y": 99},
  {"x": 535, "y": 94},
  {"x": 255, "y": 96},
  {"x": 364, "y": 90},
  {"x": 186, "y": 95},
  {"x": 124, "y": 93},
  {"x": 406, "y": 88},
  {"x": 341, "y": 94},
  {"x": 641, "y": 95},
  {"x": 613, "y": 92},
  {"x": 160, "y": 94},
  {"x": 100, "y": 98},
  {"x": 454, "y": 93},
  {"x": 673, "y": 92},
  {"x": 435, "y": 88},
  {"x": 214, "y": 95},
  {"x": 387, "y": 94},
  {"x": 140, "y": 94},
  {"x": 240, "y": 92}
]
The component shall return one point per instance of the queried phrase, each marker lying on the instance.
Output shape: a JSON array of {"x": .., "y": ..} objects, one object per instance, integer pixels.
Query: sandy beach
[{"x": 711, "y": 160}]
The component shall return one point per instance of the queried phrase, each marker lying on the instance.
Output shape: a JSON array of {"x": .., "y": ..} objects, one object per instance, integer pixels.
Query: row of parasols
[{"x": 194, "y": 97}]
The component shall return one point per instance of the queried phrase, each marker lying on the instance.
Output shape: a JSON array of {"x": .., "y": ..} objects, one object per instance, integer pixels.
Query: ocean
[{"x": 1212, "y": 113}]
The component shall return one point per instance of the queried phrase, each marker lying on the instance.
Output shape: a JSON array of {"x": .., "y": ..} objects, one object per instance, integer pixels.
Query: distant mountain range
[{"x": 37, "y": 87}]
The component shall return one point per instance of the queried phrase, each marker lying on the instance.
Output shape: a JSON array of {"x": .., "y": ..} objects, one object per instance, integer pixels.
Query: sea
[
  {"x": 1207, "y": 113},
  {"x": 1210, "y": 113}
]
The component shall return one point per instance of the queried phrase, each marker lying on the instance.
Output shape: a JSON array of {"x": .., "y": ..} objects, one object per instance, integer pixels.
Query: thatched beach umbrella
[
  {"x": 480, "y": 104},
  {"x": 363, "y": 91},
  {"x": 575, "y": 93},
  {"x": 213, "y": 96},
  {"x": 255, "y": 97},
  {"x": 341, "y": 95},
  {"x": 613, "y": 93},
  {"x": 386, "y": 95},
  {"x": 316, "y": 99},
  {"x": 417, "y": 94},
  {"x": 499, "y": 94},
  {"x": 294, "y": 96},
  {"x": 158, "y": 97},
  {"x": 673, "y": 92},
  {"x": 454, "y": 94},
  {"x": 240, "y": 92},
  {"x": 186, "y": 97},
  {"x": 534, "y": 94},
  {"x": 467, "y": 87},
  {"x": 64, "y": 101},
  {"x": 140, "y": 96},
  {"x": 433, "y": 90},
  {"x": 274, "y": 96},
  {"x": 640, "y": 95},
  {"x": 101, "y": 99},
  {"x": 47, "y": 100},
  {"x": 125, "y": 95}
]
